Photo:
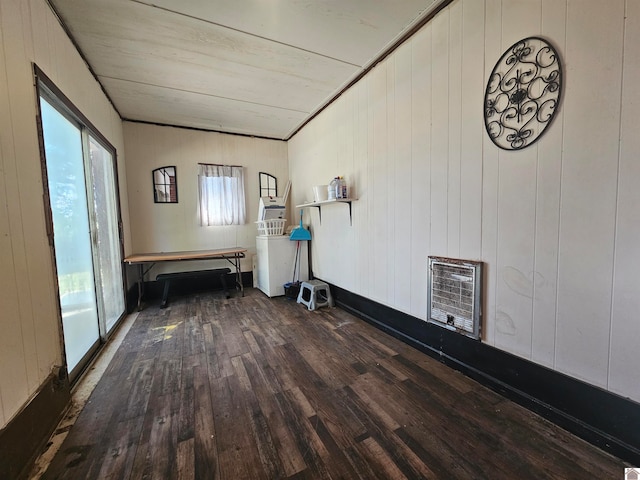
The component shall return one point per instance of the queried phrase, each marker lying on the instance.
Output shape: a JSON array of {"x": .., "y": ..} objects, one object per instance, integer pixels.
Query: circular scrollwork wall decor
[{"x": 523, "y": 94}]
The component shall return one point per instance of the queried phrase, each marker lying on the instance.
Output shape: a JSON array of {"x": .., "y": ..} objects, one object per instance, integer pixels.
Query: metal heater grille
[{"x": 454, "y": 295}]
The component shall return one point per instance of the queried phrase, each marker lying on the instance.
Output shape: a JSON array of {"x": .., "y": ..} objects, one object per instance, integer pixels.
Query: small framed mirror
[
  {"x": 165, "y": 185},
  {"x": 268, "y": 185}
]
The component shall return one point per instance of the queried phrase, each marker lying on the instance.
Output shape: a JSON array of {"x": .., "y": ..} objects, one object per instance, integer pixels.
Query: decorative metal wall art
[{"x": 523, "y": 94}]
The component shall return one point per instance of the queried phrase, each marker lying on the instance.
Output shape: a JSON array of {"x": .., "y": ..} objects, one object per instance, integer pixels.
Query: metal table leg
[{"x": 140, "y": 285}]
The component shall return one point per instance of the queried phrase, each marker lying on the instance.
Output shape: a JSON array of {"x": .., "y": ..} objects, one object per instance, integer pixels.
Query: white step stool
[{"x": 315, "y": 294}]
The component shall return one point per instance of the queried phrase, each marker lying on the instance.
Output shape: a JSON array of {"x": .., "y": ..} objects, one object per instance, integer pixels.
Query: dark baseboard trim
[
  {"x": 604, "y": 419},
  {"x": 22, "y": 440}
]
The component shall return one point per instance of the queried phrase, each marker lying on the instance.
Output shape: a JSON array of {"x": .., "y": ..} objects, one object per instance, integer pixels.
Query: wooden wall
[
  {"x": 30, "y": 337},
  {"x": 166, "y": 227},
  {"x": 556, "y": 223}
]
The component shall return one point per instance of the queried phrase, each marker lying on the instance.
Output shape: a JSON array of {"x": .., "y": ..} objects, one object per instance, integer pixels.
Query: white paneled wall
[
  {"x": 157, "y": 227},
  {"x": 556, "y": 224},
  {"x": 625, "y": 308},
  {"x": 589, "y": 187},
  {"x": 30, "y": 339}
]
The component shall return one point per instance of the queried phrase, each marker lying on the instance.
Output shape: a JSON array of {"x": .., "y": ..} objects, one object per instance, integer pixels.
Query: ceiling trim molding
[{"x": 198, "y": 129}]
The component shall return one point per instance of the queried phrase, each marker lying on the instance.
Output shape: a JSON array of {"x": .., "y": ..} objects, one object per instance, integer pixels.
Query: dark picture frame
[{"x": 165, "y": 184}]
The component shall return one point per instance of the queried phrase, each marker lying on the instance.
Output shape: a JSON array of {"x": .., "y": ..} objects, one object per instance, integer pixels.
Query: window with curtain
[{"x": 221, "y": 194}]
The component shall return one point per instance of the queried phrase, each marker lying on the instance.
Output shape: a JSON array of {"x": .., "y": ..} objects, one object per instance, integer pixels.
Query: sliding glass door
[
  {"x": 107, "y": 257},
  {"x": 72, "y": 238},
  {"x": 83, "y": 201}
]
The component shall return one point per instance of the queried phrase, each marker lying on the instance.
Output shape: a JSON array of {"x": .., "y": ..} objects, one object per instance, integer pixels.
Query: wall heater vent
[{"x": 454, "y": 293}]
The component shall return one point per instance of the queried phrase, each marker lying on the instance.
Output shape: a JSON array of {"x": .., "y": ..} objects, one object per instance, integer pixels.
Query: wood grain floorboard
[{"x": 258, "y": 388}]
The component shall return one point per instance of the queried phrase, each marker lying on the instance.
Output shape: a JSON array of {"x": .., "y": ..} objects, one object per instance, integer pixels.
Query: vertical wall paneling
[
  {"x": 30, "y": 323},
  {"x": 389, "y": 220},
  {"x": 11, "y": 339},
  {"x": 326, "y": 139},
  {"x": 589, "y": 184},
  {"x": 319, "y": 133},
  {"x": 624, "y": 375},
  {"x": 313, "y": 172},
  {"x": 548, "y": 206},
  {"x": 18, "y": 174},
  {"x": 471, "y": 129},
  {"x": 516, "y": 211},
  {"x": 454, "y": 188},
  {"x": 27, "y": 173},
  {"x": 6, "y": 265},
  {"x": 360, "y": 188},
  {"x": 40, "y": 264},
  {"x": 337, "y": 218},
  {"x": 402, "y": 188},
  {"x": 379, "y": 194},
  {"x": 490, "y": 179},
  {"x": 51, "y": 53},
  {"x": 555, "y": 224},
  {"x": 40, "y": 34},
  {"x": 373, "y": 79},
  {"x": 420, "y": 205},
  {"x": 349, "y": 139},
  {"x": 371, "y": 191},
  {"x": 332, "y": 218},
  {"x": 439, "y": 134}
]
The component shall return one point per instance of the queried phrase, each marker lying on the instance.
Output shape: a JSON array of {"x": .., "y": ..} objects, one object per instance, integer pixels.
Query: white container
[
  {"x": 275, "y": 261},
  {"x": 271, "y": 227},
  {"x": 320, "y": 193},
  {"x": 341, "y": 191},
  {"x": 272, "y": 207},
  {"x": 332, "y": 189}
]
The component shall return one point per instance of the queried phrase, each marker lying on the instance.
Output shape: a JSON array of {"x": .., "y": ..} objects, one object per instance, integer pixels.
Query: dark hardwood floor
[{"x": 259, "y": 388}]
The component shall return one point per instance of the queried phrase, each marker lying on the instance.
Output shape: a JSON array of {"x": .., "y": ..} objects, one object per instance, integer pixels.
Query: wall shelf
[{"x": 319, "y": 206}]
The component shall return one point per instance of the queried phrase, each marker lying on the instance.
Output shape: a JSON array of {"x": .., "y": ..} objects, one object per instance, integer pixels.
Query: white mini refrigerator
[{"x": 275, "y": 262}]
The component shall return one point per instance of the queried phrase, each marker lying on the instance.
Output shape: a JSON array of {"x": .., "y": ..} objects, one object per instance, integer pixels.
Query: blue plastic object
[{"x": 300, "y": 233}]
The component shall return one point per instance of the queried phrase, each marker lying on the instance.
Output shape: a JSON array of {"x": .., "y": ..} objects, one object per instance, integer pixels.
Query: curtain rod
[{"x": 219, "y": 165}]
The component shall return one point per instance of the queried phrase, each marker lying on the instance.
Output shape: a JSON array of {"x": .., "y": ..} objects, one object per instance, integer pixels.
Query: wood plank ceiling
[{"x": 253, "y": 67}]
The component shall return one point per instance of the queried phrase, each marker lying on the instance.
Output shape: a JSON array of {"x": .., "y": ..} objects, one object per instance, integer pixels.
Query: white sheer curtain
[{"x": 221, "y": 192}]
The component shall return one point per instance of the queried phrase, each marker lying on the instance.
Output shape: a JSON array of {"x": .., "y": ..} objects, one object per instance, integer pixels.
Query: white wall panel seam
[
  {"x": 557, "y": 279},
  {"x": 535, "y": 232},
  {"x": 3, "y": 180},
  {"x": 617, "y": 196},
  {"x": 482, "y": 179},
  {"x": 534, "y": 264},
  {"x": 453, "y": 151},
  {"x": 390, "y": 120},
  {"x": 411, "y": 172},
  {"x": 460, "y": 132},
  {"x": 25, "y": 298},
  {"x": 623, "y": 373},
  {"x": 497, "y": 195},
  {"x": 593, "y": 140},
  {"x": 44, "y": 369}
]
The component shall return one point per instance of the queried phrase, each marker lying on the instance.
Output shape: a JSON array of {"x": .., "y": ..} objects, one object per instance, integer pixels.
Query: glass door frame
[{"x": 47, "y": 89}]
